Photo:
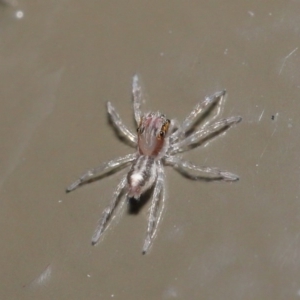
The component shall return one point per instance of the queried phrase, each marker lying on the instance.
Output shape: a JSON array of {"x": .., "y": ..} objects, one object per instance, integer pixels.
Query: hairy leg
[
  {"x": 183, "y": 166},
  {"x": 155, "y": 208},
  {"x": 137, "y": 98},
  {"x": 104, "y": 167},
  {"x": 203, "y": 133},
  {"x": 120, "y": 126},
  {"x": 108, "y": 211},
  {"x": 201, "y": 107}
]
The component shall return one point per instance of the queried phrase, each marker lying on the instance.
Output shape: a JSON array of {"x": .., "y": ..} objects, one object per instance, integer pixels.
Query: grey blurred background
[{"x": 61, "y": 61}]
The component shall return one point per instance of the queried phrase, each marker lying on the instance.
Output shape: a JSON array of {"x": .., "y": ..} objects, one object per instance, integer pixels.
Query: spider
[{"x": 158, "y": 142}]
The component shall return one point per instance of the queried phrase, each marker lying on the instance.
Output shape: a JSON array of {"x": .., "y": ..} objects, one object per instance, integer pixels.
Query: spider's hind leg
[
  {"x": 156, "y": 209},
  {"x": 103, "y": 168},
  {"x": 108, "y": 211}
]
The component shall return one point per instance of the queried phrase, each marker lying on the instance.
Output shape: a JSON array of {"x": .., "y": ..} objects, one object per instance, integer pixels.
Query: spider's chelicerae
[{"x": 158, "y": 142}]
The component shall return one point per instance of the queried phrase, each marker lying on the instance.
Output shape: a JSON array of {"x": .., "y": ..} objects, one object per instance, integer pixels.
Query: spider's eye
[
  {"x": 164, "y": 129},
  {"x": 162, "y": 133}
]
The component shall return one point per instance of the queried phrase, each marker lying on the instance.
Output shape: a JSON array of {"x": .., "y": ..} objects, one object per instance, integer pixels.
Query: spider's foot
[
  {"x": 97, "y": 234},
  {"x": 135, "y": 82},
  {"x": 95, "y": 238},
  {"x": 236, "y": 119},
  {"x": 101, "y": 227},
  {"x": 147, "y": 244},
  {"x": 73, "y": 186},
  {"x": 220, "y": 94},
  {"x": 227, "y": 176}
]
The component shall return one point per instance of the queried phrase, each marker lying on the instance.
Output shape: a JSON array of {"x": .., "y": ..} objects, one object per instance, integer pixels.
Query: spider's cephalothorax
[
  {"x": 158, "y": 141},
  {"x": 151, "y": 135}
]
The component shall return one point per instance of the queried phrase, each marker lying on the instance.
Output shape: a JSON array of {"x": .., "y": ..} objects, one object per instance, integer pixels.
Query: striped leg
[
  {"x": 155, "y": 209},
  {"x": 108, "y": 211},
  {"x": 104, "y": 167}
]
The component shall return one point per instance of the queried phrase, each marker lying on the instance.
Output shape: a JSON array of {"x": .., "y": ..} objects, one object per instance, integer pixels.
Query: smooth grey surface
[{"x": 61, "y": 61}]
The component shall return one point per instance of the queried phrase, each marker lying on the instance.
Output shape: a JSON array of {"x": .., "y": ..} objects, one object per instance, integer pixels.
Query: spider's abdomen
[{"x": 141, "y": 176}]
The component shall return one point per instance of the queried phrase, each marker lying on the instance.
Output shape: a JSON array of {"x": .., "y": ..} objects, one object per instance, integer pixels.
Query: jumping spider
[{"x": 157, "y": 143}]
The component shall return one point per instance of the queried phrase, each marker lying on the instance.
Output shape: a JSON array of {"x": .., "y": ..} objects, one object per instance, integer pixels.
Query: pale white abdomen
[{"x": 141, "y": 176}]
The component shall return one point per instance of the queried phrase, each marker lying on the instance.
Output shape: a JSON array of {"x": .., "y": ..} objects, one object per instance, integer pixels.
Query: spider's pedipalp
[
  {"x": 119, "y": 125},
  {"x": 104, "y": 167},
  {"x": 108, "y": 211}
]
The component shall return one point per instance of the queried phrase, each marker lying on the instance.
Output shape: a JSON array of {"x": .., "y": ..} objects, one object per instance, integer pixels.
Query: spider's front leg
[
  {"x": 137, "y": 98},
  {"x": 104, "y": 167},
  {"x": 107, "y": 213},
  {"x": 209, "y": 103},
  {"x": 120, "y": 126},
  {"x": 183, "y": 167},
  {"x": 203, "y": 133},
  {"x": 215, "y": 99},
  {"x": 156, "y": 207}
]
